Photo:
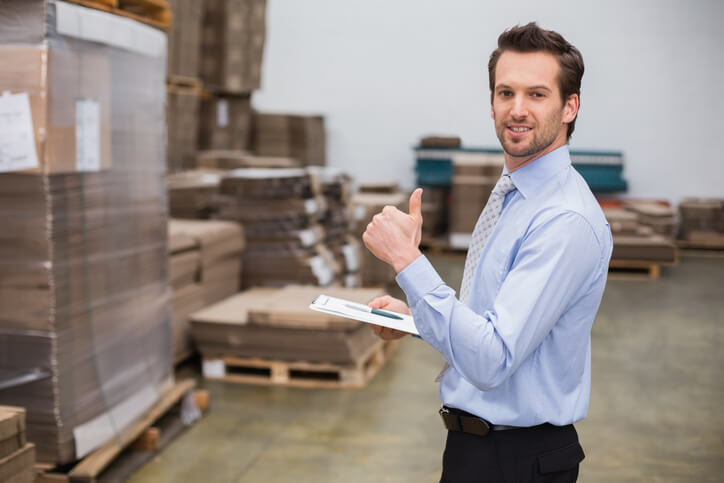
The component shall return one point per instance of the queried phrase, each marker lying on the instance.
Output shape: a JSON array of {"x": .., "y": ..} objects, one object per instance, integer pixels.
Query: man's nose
[{"x": 520, "y": 107}]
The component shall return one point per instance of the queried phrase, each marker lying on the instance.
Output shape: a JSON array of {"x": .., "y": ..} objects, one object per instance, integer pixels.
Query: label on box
[
  {"x": 222, "y": 113},
  {"x": 320, "y": 270},
  {"x": 310, "y": 206},
  {"x": 17, "y": 139},
  {"x": 359, "y": 212},
  {"x": 350, "y": 257},
  {"x": 308, "y": 237},
  {"x": 87, "y": 135},
  {"x": 213, "y": 368}
]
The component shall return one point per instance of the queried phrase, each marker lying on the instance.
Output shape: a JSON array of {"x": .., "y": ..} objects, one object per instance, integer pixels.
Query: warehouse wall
[{"x": 387, "y": 72}]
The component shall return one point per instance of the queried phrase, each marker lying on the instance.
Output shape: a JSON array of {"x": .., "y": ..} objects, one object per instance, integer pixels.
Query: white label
[
  {"x": 320, "y": 270},
  {"x": 360, "y": 211},
  {"x": 214, "y": 368},
  {"x": 350, "y": 257},
  {"x": 310, "y": 206},
  {"x": 102, "y": 428},
  {"x": 17, "y": 140},
  {"x": 87, "y": 135},
  {"x": 350, "y": 280},
  {"x": 308, "y": 237},
  {"x": 222, "y": 113},
  {"x": 460, "y": 240}
]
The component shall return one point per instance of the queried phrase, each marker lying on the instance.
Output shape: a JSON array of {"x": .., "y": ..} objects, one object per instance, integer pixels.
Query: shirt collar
[{"x": 531, "y": 178}]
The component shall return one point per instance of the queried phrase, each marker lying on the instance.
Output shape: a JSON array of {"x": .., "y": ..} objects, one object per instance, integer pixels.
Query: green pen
[{"x": 383, "y": 313}]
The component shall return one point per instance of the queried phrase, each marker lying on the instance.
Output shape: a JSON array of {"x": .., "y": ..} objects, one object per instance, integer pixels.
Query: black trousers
[{"x": 544, "y": 453}]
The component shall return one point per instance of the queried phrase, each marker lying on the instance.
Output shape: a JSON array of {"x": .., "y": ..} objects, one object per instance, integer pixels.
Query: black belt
[{"x": 458, "y": 420}]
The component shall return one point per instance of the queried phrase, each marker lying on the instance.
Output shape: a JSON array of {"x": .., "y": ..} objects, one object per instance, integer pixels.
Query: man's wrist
[{"x": 405, "y": 259}]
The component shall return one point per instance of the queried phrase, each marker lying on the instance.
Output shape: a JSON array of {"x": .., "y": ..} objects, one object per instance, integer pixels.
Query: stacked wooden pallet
[{"x": 155, "y": 13}]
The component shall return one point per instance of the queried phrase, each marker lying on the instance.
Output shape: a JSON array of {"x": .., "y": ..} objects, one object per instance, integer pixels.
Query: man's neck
[{"x": 514, "y": 163}]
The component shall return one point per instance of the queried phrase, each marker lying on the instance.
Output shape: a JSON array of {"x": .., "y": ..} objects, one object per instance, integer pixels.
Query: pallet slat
[
  {"x": 299, "y": 373},
  {"x": 155, "y": 13}
]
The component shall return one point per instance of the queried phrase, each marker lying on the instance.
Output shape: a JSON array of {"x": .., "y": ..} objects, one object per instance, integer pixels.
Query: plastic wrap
[{"x": 83, "y": 264}]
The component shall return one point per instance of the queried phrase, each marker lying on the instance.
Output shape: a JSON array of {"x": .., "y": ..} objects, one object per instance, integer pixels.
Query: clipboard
[{"x": 353, "y": 310}]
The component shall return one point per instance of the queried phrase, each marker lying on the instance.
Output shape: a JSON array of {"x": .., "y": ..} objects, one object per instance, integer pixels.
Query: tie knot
[{"x": 504, "y": 185}]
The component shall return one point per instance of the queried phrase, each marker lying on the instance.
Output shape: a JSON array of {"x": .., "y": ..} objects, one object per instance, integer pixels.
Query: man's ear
[
  {"x": 570, "y": 108},
  {"x": 492, "y": 112}
]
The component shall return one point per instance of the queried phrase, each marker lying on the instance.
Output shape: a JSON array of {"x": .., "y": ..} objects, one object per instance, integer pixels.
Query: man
[{"x": 518, "y": 341}]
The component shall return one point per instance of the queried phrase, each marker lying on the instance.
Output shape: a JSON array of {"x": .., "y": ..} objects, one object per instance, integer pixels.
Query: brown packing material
[
  {"x": 216, "y": 239},
  {"x": 230, "y": 159},
  {"x": 658, "y": 215},
  {"x": 225, "y": 330},
  {"x": 57, "y": 81},
  {"x": 184, "y": 301},
  {"x": 184, "y": 268},
  {"x": 84, "y": 288},
  {"x": 478, "y": 164},
  {"x": 182, "y": 114},
  {"x": 14, "y": 468},
  {"x": 621, "y": 221},
  {"x": 469, "y": 194},
  {"x": 233, "y": 44},
  {"x": 301, "y": 137},
  {"x": 222, "y": 279},
  {"x": 440, "y": 142},
  {"x": 12, "y": 430},
  {"x": 184, "y": 38},
  {"x": 225, "y": 122},
  {"x": 702, "y": 220},
  {"x": 191, "y": 194},
  {"x": 653, "y": 247}
]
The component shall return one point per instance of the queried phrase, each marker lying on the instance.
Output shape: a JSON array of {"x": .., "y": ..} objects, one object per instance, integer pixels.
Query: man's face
[{"x": 530, "y": 118}]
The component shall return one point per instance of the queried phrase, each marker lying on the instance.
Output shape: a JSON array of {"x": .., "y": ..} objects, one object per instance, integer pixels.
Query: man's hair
[{"x": 532, "y": 38}]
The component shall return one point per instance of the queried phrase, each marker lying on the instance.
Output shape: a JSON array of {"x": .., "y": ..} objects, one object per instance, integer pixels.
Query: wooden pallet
[
  {"x": 300, "y": 373},
  {"x": 633, "y": 270},
  {"x": 116, "y": 460},
  {"x": 156, "y": 13},
  {"x": 690, "y": 245},
  {"x": 182, "y": 82}
]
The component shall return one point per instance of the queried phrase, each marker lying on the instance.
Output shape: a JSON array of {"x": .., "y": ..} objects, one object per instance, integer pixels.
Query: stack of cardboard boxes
[
  {"x": 192, "y": 194},
  {"x": 474, "y": 177},
  {"x": 338, "y": 223},
  {"x": 17, "y": 456},
  {"x": 277, "y": 324},
  {"x": 291, "y": 135},
  {"x": 702, "y": 222},
  {"x": 84, "y": 291},
  {"x": 279, "y": 209},
  {"x": 634, "y": 240}
]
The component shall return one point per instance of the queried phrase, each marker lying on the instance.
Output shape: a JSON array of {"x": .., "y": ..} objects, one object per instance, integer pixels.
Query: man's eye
[
  {"x": 506, "y": 93},
  {"x": 538, "y": 94}
]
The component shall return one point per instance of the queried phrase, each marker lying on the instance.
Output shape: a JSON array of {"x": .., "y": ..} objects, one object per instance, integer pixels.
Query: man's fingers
[
  {"x": 416, "y": 205},
  {"x": 380, "y": 302}
]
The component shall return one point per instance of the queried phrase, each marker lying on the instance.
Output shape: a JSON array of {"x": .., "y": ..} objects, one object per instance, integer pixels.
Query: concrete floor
[{"x": 656, "y": 410}]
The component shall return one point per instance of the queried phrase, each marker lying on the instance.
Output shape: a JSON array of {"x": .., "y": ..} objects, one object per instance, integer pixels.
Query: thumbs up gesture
[{"x": 394, "y": 236}]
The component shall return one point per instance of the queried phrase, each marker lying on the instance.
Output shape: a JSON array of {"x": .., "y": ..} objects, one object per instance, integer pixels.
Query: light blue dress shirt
[{"x": 520, "y": 351}]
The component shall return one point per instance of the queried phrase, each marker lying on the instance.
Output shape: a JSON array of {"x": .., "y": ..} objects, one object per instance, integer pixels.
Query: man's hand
[
  {"x": 393, "y": 305},
  {"x": 394, "y": 236}
]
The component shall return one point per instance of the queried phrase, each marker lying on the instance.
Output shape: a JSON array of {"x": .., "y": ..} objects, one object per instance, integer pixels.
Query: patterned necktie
[
  {"x": 483, "y": 229},
  {"x": 481, "y": 233}
]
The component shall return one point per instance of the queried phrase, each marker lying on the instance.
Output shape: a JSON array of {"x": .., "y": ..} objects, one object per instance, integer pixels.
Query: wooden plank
[
  {"x": 158, "y": 20},
  {"x": 92, "y": 465},
  {"x": 306, "y": 374}
]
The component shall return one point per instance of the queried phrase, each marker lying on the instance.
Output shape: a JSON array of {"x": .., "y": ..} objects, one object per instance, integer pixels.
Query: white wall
[{"x": 386, "y": 72}]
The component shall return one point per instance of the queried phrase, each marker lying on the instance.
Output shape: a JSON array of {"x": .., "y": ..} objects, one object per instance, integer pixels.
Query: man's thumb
[{"x": 416, "y": 205}]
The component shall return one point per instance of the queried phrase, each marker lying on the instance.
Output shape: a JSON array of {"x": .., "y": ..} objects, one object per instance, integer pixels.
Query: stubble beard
[{"x": 543, "y": 136}]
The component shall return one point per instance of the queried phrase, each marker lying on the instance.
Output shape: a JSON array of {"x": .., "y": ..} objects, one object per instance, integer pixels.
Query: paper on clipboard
[{"x": 343, "y": 308}]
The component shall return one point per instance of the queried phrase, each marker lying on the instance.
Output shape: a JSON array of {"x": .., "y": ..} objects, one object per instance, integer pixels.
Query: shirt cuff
[{"x": 418, "y": 279}]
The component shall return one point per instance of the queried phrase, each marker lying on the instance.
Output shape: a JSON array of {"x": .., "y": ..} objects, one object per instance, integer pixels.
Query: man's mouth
[{"x": 519, "y": 129}]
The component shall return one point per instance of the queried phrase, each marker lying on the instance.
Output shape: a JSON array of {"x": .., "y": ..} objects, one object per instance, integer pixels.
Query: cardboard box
[
  {"x": 225, "y": 122},
  {"x": 233, "y": 39},
  {"x": 184, "y": 38},
  {"x": 61, "y": 84},
  {"x": 301, "y": 137},
  {"x": 226, "y": 159},
  {"x": 12, "y": 430},
  {"x": 18, "y": 467},
  {"x": 277, "y": 324},
  {"x": 182, "y": 115}
]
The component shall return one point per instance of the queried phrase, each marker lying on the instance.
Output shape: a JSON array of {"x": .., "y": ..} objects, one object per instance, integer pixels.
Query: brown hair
[{"x": 532, "y": 38}]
